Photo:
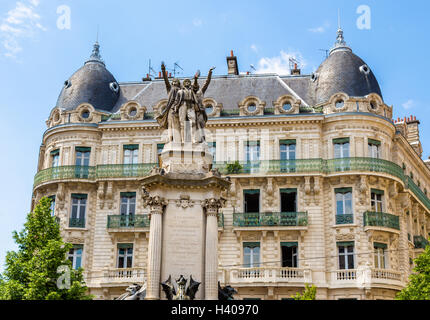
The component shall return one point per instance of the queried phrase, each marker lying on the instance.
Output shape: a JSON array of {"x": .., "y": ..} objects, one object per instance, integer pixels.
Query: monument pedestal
[{"x": 191, "y": 196}]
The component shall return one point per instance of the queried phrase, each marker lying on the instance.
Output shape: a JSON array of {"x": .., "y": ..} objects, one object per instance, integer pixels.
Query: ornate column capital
[
  {"x": 156, "y": 203},
  {"x": 212, "y": 205}
]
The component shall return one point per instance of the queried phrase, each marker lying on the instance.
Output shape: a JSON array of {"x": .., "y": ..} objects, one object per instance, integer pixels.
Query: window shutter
[
  {"x": 251, "y": 191},
  {"x": 251, "y": 244},
  {"x": 79, "y": 196},
  {"x": 287, "y": 141},
  {"x": 377, "y": 245},
  {"x": 343, "y": 190},
  {"x": 125, "y": 245},
  {"x": 341, "y": 140},
  {"x": 376, "y": 191},
  {"x": 128, "y": 194},
  {"x": 55, "y": 152},
  {"x": 131, "y": 147},
  {"x": 83, "y": 149},
  {"x": 288, "y": 190},
  {"x": 78, "y": 246},
  {"x": 252, "y": 143},
  {"x": 374, "y": 142},
  {"x": 289, "y": 244},
  {"x": 345, "y": 243}
]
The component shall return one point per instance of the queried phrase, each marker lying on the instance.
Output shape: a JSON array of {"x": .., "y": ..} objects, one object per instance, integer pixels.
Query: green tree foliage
[
  {"x": 234, "y": 167},
  {"x": 418, "y": 287},
  {"x": 31, "y": 272},
  {"x": 308, "y": 294}
]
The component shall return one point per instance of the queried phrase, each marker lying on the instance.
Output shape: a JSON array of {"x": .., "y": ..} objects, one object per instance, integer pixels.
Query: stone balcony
[
  {"x": 265, "y": 276},
  {"x": 365, "y": 278},
  {"x": 123, "y": 277}
]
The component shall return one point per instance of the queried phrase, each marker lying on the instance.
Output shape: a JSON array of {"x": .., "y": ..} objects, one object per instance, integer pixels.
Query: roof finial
[
  {"x": 95, "y": 55},
  {"x": 340, "y": 40}
]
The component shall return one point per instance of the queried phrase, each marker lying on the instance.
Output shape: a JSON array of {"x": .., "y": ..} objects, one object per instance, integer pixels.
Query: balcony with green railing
[
  {"x": 77, "y": 223},
  {"x": 381, "y": 219},
  {"x": 268, "y": 219},
  {"x": 420, "y": 242},
  {"x": 93, "y": 173},
  {"x": 128, "y": 221},
  {"x": 344, "y": 219}
]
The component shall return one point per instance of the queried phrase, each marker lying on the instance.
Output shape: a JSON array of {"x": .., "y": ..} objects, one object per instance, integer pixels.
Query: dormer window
[
  {"x": 114, "y": 87},
  {"x": 364, "y": 69},
  {"x": 340, "y": 104},
  {"x": 286, "y": 106},
  {"x": 251, "y": 107}
]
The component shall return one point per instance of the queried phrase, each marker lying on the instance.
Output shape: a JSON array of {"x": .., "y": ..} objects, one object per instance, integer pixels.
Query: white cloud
[
  {"x": 254, "y": 48},
  {"x": 320, "y": 29},
  {"x": 197, "y": 22},
  {"x": 279, "y": 64},
  {"x": 21, "y": 22},
  {"x": 408, "y": 104}
]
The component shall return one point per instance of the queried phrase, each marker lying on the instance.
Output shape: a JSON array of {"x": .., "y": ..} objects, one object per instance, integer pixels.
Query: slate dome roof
[
  {"x": 342, "y": 71},
  {"x": 92, "y": 83}
]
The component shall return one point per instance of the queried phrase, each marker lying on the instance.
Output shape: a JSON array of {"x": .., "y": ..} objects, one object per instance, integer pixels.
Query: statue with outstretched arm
[
  {"x": 168, "y": 117},
  {"x": 201, "y": 115}
]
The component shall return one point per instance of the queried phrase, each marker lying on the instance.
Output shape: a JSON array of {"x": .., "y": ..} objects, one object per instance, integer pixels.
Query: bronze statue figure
[
  {"x": 181, "y": 293},
  {"x": 226, "y": 293},
  {"x": 184, "y": 106}
]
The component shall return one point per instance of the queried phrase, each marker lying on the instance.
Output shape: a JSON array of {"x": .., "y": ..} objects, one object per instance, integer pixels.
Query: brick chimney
[
  {"x": 295, "y": 71},
  {"x": 232, "y": 64},
  {"x": 409, "y": 127}
]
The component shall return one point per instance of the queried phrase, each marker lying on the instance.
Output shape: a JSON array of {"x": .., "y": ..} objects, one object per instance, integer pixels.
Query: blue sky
[{"x": 36, "y": 57}]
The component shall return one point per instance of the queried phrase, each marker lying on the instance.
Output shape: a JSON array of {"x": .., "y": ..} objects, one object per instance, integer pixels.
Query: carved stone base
[{"x": 190, "y": 158}]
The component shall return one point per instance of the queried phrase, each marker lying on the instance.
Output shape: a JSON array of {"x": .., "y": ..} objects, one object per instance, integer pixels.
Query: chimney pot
[
  {"x": 231, "y": 52},
  {"x": 159, "y": 74}
]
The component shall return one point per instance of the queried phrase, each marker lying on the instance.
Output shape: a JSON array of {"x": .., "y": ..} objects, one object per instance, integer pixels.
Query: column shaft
[
  {"x": 211, "y": 263},
  {"x": 154, "y": 257}
]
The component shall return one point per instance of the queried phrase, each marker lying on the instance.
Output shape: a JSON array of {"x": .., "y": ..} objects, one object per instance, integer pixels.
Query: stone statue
[
  {"x": 181, "y": 294},
  {"x": 134, "y": 292},
  {"x": 168, "y": 117},
  {"x": 225, "y": 293}
]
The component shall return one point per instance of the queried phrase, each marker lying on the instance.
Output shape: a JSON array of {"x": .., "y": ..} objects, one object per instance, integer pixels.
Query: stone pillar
[
  {"x": 154, "y": 247},
  {"x": 211, "y": 250}
]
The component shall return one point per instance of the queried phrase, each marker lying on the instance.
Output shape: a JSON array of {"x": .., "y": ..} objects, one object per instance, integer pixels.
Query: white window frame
[
  {"x": 130, "y": 201},
  {"x": 81, "y": 208},
  {"x": 253, "y": 255},
  {"x": 342, "y": 151},
  {"x": 381, "y": 258},
  {"x": 376, "y": 203},
  {"x": 343, "y": 200},
  {"x": 75, "y": 255},
  {"x": 131, "y": 156},
  {"x": 82, "y": 158},
  {"x": 374, "y": 151},
  {"x": 289, "y": 152},
  {"x": 345, "y": 254},
  {"x": 252, "y": 152},
  {"x": 126, "y": 255}
]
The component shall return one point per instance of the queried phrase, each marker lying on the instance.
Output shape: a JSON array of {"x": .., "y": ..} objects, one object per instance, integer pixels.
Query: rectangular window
[
  {"x": 82, "y": 162},
  {"x": 52, "y": 207},
  {"x": 252, "y": 151},
  {"x": 288, "y": 200},
  {"x": 346, "y": 255},
  {"x": 251, "y": 254},
  {"x": 376, "y": 200},
  {"x": 344, "y": 213},
  {"x": 125, "y": 255},
  {"x": 131, "y": 158},
  {"x": 55, "y": 158},
  {"x": 374, "y": 148},
  {"x": 75, "y": 256},
  {"x": 212, "y": 149},
  {"x": 289, "y": 254},
  {"x": 287, "y": 151},
  {"x": 77, "y": 217},
  {"x": 127, "y": 208},
  {"x": 341, "y": 148},
  {"x": 380, "y": 255},
  {"x": 251, "y": 201}
]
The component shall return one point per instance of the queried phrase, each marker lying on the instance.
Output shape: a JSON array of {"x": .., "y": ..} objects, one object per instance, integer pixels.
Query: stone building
[{"x": 325, "y": 187}]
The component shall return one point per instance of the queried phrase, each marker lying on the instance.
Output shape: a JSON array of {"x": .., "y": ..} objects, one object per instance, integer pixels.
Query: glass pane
[
  {"x": 337, "y": 150},
  {"x": 350, "y": 261},
  {"x": 341, "y": 262},
  {"x": 256, "y": 256},
  {"x": 345, "y": 150},
  {"x": 78, "y": 262},
  {"x": 129, "y": 261},
  {"x": 120, "y": 262},
  {"x": 74, "y": 211}
]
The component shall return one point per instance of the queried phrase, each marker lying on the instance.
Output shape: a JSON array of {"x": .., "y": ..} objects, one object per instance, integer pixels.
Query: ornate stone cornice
[{"x": 212, "y": 205}]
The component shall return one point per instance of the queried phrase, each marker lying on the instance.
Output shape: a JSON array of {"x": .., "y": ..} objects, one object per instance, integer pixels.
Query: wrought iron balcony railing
[
  {"x": 381, "y": 219},
  {"x": 344, "y": 219},
  {"x": 420, "y": 242},
  {"x": 93, "y": 173},
  {"x": 324, "y": 167},
  {"x": 127, "y": 221},
  {"x": 259, "y": 219},
  {"x": 77, "y": 223}
]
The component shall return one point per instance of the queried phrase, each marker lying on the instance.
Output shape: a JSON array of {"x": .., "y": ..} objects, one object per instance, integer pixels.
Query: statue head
[
  {"x": 196, "y": 87},
  {"x": 187, "y": 83},
  {"x": 181, "y": 282},
  {"x": 175, "y": 82}
]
